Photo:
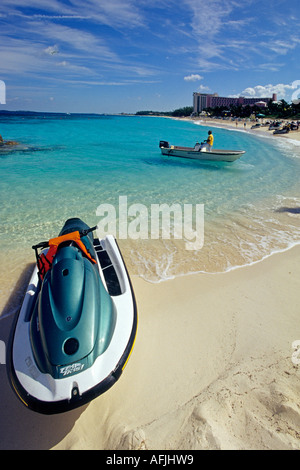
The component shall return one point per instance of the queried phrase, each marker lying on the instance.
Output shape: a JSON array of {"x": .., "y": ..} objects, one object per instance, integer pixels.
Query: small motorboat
[
  {"x": 77, "y": 325},
  {"x": 200, "y": 152}
]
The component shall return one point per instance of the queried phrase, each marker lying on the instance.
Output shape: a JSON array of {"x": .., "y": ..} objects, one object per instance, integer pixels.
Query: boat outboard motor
[{"x": 164, "y": 144}]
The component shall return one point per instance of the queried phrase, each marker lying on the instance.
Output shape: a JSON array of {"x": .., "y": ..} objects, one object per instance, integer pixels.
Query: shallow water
[{"x": 66, "y": 166}]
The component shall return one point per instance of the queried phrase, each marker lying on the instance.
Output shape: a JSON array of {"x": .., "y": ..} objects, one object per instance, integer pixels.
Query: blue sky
[{"x": 111, "y": 56}]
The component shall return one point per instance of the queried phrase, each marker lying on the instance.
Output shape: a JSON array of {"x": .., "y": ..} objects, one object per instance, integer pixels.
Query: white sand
[
  {"x": 239, "y": 125},
  {"x": 211, "y": 369},
  {"x": 212, "y": 366}
]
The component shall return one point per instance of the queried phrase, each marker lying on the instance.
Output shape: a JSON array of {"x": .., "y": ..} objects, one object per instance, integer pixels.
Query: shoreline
[
  {"x": 228, "y": 124},
  {"x": 227, "y": 270}
]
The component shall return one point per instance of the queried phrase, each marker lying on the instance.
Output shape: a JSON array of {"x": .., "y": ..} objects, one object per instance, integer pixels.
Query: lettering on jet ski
[{"x": 72, "y": 369}]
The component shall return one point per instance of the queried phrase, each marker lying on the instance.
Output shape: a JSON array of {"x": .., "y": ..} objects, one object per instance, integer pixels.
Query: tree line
[
  {"x": 180, "y": 112},
  {"x": 274, "y": 110}
]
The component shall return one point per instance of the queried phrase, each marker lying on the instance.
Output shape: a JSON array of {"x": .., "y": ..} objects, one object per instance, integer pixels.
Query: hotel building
[{"x": 202, "y": 101}]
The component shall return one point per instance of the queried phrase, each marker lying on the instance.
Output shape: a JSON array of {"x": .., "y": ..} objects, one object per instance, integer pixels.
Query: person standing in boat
[{"x": 210, "y": 141}]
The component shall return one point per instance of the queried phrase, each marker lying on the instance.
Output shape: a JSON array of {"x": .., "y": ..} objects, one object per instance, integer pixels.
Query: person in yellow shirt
[{"x": 210, "y": 141}]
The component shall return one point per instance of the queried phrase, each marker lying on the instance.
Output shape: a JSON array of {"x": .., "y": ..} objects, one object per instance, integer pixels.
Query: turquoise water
[{"x": 66, "y": 166}]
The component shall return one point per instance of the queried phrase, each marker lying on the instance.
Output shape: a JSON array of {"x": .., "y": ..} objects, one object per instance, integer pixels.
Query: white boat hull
[{"x": 215, "y": 155}]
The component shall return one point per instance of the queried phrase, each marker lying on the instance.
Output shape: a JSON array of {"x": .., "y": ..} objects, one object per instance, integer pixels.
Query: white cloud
[
  {"x": 73, "y": 46},
  {"x": 270, "y": 66},
  {"x": 203, "y": 88},
  {"x": 51, "y": 50},
  {"x": 28, "y": 57},
  {"x": 209, "y": 17},
  {"x": 76, "y": 39},
  {"x": 230, "y": 35},
  {"x": 18, "y": 57},
  {"x": 115, "y": 13},
  {"x": 263, "y": 91},
  {"x": 194, "y": 77},
  {"x": 282, "y": 47}
]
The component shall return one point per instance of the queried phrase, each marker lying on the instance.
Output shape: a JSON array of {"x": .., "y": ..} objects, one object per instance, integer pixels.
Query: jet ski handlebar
[
  {"x": 40, "y": 245},
  {"x": 82, "y": 233},
  {"x": 86, "y": 231}
]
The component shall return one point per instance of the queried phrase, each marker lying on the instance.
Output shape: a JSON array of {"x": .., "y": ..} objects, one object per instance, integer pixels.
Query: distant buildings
[{"x": 202, "y": 101}]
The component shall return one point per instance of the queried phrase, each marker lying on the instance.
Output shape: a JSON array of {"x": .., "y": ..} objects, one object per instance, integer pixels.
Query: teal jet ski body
[{"x": 77, "y": 324}]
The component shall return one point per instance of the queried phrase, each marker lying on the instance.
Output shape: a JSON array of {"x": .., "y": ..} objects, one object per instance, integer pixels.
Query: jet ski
[{"x": 77, "y": 324}]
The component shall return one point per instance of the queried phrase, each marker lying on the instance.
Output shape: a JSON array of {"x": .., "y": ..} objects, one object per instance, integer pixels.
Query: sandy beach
[
  {"x": 239, "y": 126},
  {"x": 213, "y": 368}
]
